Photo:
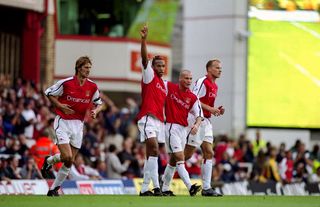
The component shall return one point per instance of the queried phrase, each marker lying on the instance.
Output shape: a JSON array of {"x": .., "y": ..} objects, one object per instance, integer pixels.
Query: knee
[
  {"x": 188, "y": 152},
  {"x": 172, "y": 161},
  {"x": 152, "y": 148}
]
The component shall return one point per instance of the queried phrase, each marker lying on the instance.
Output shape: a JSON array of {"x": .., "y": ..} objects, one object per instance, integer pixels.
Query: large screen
[{"x": 284, "y": 64}]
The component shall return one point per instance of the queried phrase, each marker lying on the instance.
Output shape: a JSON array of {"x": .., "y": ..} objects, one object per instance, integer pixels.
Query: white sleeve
[
  {"x": 56, "y": 89},
  {"x": 199, "y": 88},
  {"x": 196, "y": 109},
  {"x": 96, "y": 98},
  {"x": 147, "y": 73}
]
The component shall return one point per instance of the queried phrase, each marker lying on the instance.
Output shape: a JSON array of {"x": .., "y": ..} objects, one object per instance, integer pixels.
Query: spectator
[
  {"x": 12, "y": 171},
  {"x": 127, "y": 154},
  {"x": 282, "y": 152},
  {"x": 31, "y": 170},
  {"x": 3, "y": 166},
  {"x": 80, "y": 171},
  {"x": 229, "y": 168},
  {"x": 258, "y": 143},
  {"x": 29, "y": 115},
  {"x": 114, "y": 166},
  {"x": 315, "y": 153},
  {"x": 286, "y": 167},
  {"x": 42, "y": 148},
  {"x": 272, "y": 171},
  {"x": 258, "y": 168},
  {"x": 102, "y": 168},
  {"x": 315, "y": 177}
]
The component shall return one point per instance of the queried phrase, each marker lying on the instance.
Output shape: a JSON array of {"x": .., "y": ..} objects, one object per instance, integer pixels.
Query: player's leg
[
  {"x": 152, "y": 152},
  {"x": 66, "y": 158},
  {"x": 206, "y": 169},
  {"x": 167, "y": 176},
  {"x": 192, "y": 142},
  {"x": 177, "y": 143},
  {"x": 49, "y": 161},
  {"x": 188, "y": 151},
  {"x": 184, "y": 175},
  {"x": 149, "y": 128}
]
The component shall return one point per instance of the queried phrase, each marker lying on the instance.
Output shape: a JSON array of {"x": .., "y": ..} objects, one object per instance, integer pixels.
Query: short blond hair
[{"x": 209, "y": 63}]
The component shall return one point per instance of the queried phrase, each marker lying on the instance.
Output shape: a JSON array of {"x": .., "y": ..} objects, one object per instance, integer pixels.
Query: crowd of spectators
[{"x": 111, "y": 148}]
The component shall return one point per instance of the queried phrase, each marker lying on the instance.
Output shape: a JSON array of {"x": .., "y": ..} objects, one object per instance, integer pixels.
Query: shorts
[
  {"x": 175, "y": 137},
  {"x": 151, "y": 127},
  {"x": 205, "y": 134},
  {"x": 68, "y": 131}
]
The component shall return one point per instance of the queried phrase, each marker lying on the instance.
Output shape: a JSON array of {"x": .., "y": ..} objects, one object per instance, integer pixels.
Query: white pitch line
[
  {"x": 306, "y": 29},
  {"x": 300, "y": 68}
]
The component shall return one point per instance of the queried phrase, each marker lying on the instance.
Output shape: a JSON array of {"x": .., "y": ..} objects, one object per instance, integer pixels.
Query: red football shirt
[
  {"x": 206, "y": 90},
  {"x": 179, "y": 103},
  {"x": 79, "y": 98},
  {"x": 153, "y": 94}
]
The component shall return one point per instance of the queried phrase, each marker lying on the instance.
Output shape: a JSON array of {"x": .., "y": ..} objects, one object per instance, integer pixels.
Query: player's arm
[
  {"x": 144, "y": 52},
  {"x": 97, "y": 110},
  {"x": 196, "y": 110},
  {"x": 147, "y": 72},
  {"x": 65, "y": 108},
  {"x": 53, "y": 92},
  {"x": 100, "y": 106},
  {"x": 212, "y": 110}
]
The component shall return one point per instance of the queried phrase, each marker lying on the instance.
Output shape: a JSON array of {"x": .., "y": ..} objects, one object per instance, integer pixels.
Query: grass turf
[
  {"x": 279, "y": 95},
  {"x": 185, "y": 201}
]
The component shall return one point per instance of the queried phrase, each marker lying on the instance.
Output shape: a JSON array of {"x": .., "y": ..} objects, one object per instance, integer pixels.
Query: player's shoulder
[
  {"x": 192, "y": 95},
  {"x": 91, "y": 83},
  {"x": 65, "y": 80},
  {"x": 171, "y": 84},
  {"x": 200, "y": 80}
]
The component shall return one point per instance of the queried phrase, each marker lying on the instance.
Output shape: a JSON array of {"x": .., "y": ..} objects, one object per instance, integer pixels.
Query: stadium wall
[{"x": 132, "y": 187}]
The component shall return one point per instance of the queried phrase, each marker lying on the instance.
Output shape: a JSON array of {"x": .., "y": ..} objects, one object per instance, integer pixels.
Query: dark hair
[
  {"x": 112, "y": 148},
  {"x": 155, "y": 58},
  {"x": 209, "y": 63},
  {"x": 82, "y": 61}
]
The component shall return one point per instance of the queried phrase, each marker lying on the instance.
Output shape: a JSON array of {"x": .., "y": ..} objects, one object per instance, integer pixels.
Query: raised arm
[{"x": 144, "y": 52}]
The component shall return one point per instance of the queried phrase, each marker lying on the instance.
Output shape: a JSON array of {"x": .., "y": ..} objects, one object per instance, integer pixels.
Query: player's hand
[
  {"x": 215, "y": 111},
  {"x": 93, "y": 114},
  {"x": 221, "y": 110},
  {"x": 66, "y": 109},
  {"x": 194, "y": 129},
  {"x": 144, "y": 32}
]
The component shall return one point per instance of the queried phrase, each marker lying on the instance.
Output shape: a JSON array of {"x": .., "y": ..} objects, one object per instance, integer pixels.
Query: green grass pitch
[
  {"x": 136, "y": 201},
  {"x": 283, "y": 74}
]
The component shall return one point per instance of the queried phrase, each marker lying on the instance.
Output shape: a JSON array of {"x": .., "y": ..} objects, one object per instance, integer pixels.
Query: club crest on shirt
[
  {"x": 212, "y": 94},
  {"x": 87, "y": 93}
]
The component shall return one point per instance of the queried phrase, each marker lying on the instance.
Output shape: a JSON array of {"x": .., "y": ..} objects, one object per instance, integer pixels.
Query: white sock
[
  {"x": 61, "y": 176},
  {"x": 167, "y": 177},
  {"x": 183, "y": 173},
  {"x": 206, "y": 171},
  {"x": 146, "y": 177},
  {"x": 153, "y": 166},
  {"x": 54, "y": 159}
]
